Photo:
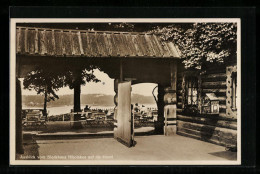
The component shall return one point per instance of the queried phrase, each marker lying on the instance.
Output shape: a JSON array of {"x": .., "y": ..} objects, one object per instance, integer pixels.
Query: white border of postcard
[{"x": 13, "y": 22}]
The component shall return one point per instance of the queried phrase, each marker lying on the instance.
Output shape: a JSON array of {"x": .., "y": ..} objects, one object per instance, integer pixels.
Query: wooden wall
[{"x": 222, "y": 129}]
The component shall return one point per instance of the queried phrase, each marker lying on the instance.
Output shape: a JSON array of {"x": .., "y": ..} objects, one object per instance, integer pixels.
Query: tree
[
  {"x": 44, "y": 82},
  {"x": 201, "y": 43},
  {"x": 75, "y": 76}
]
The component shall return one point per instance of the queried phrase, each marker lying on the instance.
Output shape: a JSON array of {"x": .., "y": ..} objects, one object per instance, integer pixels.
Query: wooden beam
[
  {"x": 173, "y": 68},
  {"x": 214, "y": 85},
  {"x": 215, "y": 76},
  {"x": 130, "y": 79},
  {"x": 206, "y": 129},
  {"x": 26, "y": 41},
  {"x": 208, "y": 121},
  {"x": 121, "y": 70},
  {"x": 36, "y": 47},
  {"x": 80, "y": 44}
]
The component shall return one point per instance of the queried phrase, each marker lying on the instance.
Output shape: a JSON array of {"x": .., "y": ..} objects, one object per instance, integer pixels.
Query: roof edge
[{"x": 87, "y": 31}]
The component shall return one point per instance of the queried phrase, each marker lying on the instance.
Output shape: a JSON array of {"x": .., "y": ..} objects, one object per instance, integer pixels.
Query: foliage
[
  {"x": 80, "y": 76},
  {"x": 191, "y": 110},
  {"x": 123, "y": 26},
  {"x": 47, "y": 79},
  {"x": 43, "y": 80},
  {"x": 200, "y": 43}
]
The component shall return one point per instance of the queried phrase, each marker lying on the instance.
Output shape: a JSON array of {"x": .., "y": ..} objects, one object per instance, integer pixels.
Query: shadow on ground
[
  {"x": 31, "y": 151},
  {"x": 226, "y": 155}
]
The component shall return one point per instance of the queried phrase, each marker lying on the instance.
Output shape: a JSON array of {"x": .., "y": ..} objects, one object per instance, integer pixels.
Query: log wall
[{"x": 220, "y": 129}]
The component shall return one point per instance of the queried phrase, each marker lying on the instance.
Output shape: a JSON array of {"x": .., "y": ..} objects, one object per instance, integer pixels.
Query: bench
[{"x": 34, "y": 118}]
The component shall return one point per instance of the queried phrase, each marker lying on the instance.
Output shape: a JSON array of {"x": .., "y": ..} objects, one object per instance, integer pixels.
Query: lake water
[{"x": 66, "y": 109}]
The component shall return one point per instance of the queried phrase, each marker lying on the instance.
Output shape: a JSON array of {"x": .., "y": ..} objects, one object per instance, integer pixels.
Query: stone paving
[{"x": 153, "y": 147}]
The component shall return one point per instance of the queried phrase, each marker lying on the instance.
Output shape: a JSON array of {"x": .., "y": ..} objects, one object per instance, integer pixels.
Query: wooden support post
[
  {"x": 18, "y": 119},
  {"x": 116, "y": 104},
  {"x": 121, "y": 71},
  {"x": 183, "y": 91},
  {"x": 173, "y": 67},
  {"x": 199, "y": 94},
  {"x": 170, "y": 100},
  {"x": 160, "y": 106}
]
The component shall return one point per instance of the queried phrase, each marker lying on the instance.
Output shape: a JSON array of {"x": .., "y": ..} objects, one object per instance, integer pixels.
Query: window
[
  {"x": 191, "y": 91},
  {"x": 234, "y": 91}
]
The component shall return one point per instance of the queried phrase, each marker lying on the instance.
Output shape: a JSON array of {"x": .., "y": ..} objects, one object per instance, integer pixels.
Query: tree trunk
[
  {"x": 45, "y": 102},
  {"x": 77, "y": 91},
  {"x": 18, "y": 120},
  {"x": 160, "y": 106}
]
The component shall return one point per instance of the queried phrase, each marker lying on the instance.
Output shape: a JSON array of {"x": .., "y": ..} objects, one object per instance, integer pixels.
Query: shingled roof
[{"x": 83, "y": 43}]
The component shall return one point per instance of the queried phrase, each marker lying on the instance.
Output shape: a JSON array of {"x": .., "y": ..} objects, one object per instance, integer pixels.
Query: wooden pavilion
[
  {"x": 127, "y": 57},
  {"x": 131, "y": 58}
]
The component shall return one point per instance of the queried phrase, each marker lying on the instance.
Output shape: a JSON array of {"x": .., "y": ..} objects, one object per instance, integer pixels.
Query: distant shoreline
[
  {"x": 64, "y": 109},
  {"x": 82, "y": 105},
  {"x": 89, "y": 99},
  {"x": 52, "y": 106}
]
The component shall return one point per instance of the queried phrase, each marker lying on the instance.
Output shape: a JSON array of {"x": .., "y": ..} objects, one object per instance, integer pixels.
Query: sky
[{"x": 106, "y": 86}]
